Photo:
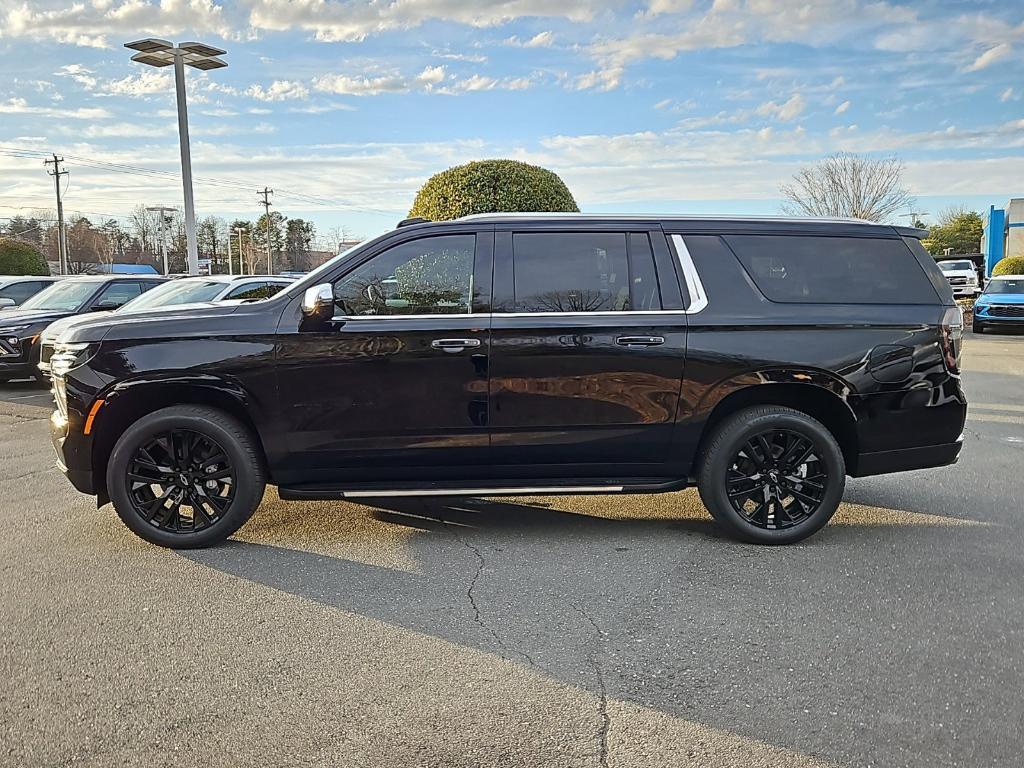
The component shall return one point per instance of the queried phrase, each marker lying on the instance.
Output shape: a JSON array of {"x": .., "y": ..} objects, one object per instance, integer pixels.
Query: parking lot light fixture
[{"x": 162, "y": 53}]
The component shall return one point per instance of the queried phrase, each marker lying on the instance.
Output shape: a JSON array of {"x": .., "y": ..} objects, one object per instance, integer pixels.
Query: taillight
[{"x": 952, "y": 338}]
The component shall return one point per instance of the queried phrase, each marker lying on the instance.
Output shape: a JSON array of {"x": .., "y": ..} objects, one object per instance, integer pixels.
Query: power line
[{"x": 206, "y": 180}]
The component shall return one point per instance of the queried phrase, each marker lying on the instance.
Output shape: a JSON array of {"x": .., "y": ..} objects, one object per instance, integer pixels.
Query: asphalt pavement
[{"x": 563, "y": 631}]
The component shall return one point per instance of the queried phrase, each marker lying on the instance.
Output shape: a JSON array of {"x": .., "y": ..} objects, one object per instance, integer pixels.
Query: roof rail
[{"x": 413, "y": 220}]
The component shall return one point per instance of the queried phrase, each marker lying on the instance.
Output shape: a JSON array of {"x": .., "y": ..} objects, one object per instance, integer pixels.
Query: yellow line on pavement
[
  {"x": 995, "y": 407},
  {"x": 997, "y": 418}
]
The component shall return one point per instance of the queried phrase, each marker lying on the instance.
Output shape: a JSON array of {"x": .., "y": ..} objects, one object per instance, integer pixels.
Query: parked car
[
  {"x": 962, "y": 276},
  {"x": 186, "y": 290},
  {"x": 762, "y": 360},
  {"x": 1001, "y": 304},
  {"x": 20, "y": 328},
  {"x": 16, "y": 289}
]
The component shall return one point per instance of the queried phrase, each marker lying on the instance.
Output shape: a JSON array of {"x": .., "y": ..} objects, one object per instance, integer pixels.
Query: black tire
[
  {"x": 786, "y": 492},
  {"x": 226, "y": 455},
  {"x": 977, "y": 326}
]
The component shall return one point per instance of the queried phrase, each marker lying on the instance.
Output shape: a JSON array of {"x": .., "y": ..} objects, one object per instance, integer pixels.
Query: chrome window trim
[
  {"x": 488, "y": 315},
  {"x": 694, "y": 286}
]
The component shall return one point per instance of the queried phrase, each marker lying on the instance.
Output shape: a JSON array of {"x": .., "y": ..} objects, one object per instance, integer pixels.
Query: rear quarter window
[{"x": 833, "y": 270}]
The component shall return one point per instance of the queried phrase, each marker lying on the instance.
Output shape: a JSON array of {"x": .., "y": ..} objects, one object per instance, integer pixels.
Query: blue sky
[{"x": 345, "y": 108}]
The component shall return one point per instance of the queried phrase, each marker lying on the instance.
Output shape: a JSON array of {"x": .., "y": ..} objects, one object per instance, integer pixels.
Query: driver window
[{"x": 429, "y": 276}]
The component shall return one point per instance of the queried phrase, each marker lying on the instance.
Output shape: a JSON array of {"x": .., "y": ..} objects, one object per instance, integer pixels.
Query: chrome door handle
[
  {"x": 639, "y": 341},
  {"x": 454, "y": 345}
]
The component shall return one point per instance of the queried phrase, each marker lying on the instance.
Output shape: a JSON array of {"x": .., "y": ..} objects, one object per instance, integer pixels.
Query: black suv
[
  {"x": 20, "y": 328},
  {"x": 762, "y": 360}
]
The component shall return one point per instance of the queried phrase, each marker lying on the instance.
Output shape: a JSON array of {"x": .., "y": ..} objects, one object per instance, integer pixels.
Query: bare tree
[{"x": 848, "y": 185}]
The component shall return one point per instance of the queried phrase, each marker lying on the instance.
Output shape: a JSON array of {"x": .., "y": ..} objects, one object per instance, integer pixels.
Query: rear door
[{"x": 587, "y": 350}]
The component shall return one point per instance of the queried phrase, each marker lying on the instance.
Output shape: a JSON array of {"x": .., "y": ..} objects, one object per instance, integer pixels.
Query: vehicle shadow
[{"x": 680, "y": 619}]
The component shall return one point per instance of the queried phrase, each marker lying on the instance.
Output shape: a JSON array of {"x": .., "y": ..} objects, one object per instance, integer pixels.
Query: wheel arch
[
  {"x": 130, "y": 400},
  {"x": 820, "y": 396}
]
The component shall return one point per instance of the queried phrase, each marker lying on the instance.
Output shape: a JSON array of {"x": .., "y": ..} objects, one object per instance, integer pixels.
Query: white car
[
  {"x": 16, "y": 289},
  {"x": 185, "y": 290},
  {"x": 962, "y": 276}
]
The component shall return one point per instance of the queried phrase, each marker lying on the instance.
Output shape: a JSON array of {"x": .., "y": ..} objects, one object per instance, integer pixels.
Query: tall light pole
[
  {"x": 161, "y": 53},
  {"x": 162, "y": 210}
]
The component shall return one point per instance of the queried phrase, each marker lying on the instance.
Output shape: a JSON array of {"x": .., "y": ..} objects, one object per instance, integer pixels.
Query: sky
[{"x": 345, "y": 108}]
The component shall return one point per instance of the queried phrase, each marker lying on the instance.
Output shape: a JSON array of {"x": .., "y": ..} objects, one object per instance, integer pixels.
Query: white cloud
[
  {"x": 335, "y": 21},
  {"x": 145, "y": 83},
  {"x": 842, "y": 108},
  {"x": 357, "y": 85},
  {"x": 279, "y": 90},
  {"x": 990, "y": 57},
  {"x": 94, "y": 23},
  {"x": 540, "y": 40},
  {"x": 18, "y": 106},
  {"x": 79, "y": 74},
  {"x": 789, "y": 110},
  {"x": 1006, "y": 95},
  {"x": 599, "y": 79}
]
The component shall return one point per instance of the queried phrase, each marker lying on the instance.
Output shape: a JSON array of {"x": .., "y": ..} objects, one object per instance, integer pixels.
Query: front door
[
  {"x": 586, "y": 362},
  {"x": 395, "y": 386}
]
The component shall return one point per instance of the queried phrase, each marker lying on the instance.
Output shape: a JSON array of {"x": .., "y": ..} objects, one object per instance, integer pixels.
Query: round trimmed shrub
[
  {"x": 492, "y": 186},
  {"x": 1011, "y": 265},
  {"x": 21, "y": 258}
]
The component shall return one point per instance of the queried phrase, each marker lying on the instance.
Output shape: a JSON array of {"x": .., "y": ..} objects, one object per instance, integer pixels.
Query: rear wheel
[
  {"x": 186, "y": 476},
  {"x": 771, "y": 475}
]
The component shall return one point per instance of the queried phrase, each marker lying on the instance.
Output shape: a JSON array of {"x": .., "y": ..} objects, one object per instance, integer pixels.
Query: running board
[{"x": 533, "y": 488}]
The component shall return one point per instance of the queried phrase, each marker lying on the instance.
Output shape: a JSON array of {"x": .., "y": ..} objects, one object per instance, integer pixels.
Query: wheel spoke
[
  {"x": 178, "y": 464},
  {"x": 764, "y": 483}
]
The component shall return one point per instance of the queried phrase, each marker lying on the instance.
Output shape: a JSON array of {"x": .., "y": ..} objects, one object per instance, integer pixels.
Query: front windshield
[
  {"x": 67, "y": 295},
  {"x": 178, "y": 292},
  {"x": 949, "y": 266},
  {"x": 1005, "y": 286}
]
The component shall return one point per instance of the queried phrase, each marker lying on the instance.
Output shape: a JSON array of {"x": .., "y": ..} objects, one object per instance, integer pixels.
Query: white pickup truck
[{"x": 962, "y": 276}]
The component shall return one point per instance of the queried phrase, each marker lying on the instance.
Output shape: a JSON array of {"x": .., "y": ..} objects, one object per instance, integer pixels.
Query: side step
[{"x": 505, "y": 487}]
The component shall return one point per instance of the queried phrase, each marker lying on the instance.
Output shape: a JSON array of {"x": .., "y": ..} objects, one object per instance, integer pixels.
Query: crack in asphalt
[
  {"x": 477, "y": 614},
  {"x": 602, "y": 689},
  {"x": 27, "y": 474}
]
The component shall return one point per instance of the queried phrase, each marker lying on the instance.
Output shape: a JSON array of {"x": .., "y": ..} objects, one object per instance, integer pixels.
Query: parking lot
[{"x": 571, "y": 631}]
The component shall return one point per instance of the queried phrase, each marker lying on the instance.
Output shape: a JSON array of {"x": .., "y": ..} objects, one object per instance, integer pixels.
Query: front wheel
[
  {"x": 771, "y": 475},
  {"x": 977, "y": 326},
  {"x": 185, "y": 477}
]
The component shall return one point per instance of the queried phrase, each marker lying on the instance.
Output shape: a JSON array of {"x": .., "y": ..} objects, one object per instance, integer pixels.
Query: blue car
[{"x": 1001, "y": 304}]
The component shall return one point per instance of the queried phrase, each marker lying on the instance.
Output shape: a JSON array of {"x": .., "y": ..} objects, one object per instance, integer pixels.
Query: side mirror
[
  {"x": 106, "y": 306},
  {"x": 5, "y": 303},
  {"x": 318, "y": 301}
]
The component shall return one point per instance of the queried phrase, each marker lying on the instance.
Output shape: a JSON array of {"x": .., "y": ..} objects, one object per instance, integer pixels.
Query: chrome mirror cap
[{"x": 317, "y": 298}]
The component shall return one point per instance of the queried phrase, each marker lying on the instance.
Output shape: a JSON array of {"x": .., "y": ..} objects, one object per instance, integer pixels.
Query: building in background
[{"x": 1004, "y": 233}]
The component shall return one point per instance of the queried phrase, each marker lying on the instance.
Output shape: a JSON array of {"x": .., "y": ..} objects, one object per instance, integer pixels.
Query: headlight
[
  {"x": 68, "y": 356},
  {"x": 12, "y": 329}
]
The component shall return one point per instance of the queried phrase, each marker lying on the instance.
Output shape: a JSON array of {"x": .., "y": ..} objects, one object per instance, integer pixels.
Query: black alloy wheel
[
  {"x": 776, "y": 480},
  {"x": 771, "y": 475},
  {"x": 186, "y": 476},
  {"x": 181, "y": 481}
]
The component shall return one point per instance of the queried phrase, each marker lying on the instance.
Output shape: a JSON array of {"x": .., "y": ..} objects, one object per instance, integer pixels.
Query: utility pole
[
  {"x": 162, "y": 210},
  {"x": 241, "y": 251},
  {"x": 231, "y": 268},
  {"x": 62, "y": 244},
  {"x": 266, "y": 206}
]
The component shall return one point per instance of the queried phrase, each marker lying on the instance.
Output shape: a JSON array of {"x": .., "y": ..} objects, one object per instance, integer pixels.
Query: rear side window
[
  {"x": 833, "y": 270},
  {"x": 18, "y": 292},
  {"x": 584, "y": 272}
]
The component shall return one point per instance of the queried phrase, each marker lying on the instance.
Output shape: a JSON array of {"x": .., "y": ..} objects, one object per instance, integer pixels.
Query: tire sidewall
[
  {"x": 248, "y": 480},
  {"x": 737, "y": 432}
]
